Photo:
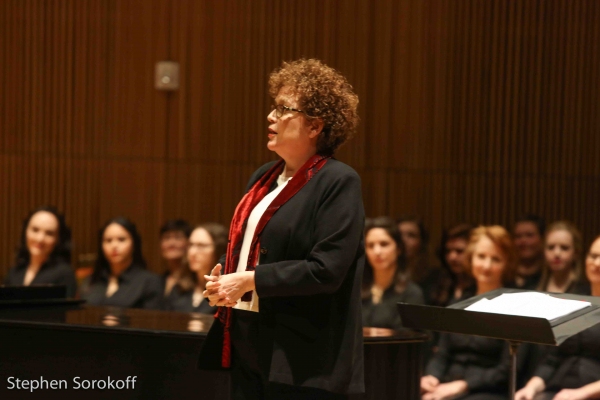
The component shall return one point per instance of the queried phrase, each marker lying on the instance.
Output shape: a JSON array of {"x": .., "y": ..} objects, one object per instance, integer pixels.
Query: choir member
[
  {"x": 44, "y": 254},
  {"x": 120, "y": 277},
  {"x": 385, "y": 280}
]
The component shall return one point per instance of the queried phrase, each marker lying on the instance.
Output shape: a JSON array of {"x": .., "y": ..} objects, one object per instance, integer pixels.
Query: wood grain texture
[{"x": 471, "y": 111}]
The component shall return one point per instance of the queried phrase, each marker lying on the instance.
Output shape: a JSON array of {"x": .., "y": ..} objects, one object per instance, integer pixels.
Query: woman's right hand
[
  {"x": 525, "y": 394},
  {"x": 533, "y": 387},
  {"x": 213, "y": 287},
  {"x": 429, "y": 383},
  {"x": 214, "y": 274}
]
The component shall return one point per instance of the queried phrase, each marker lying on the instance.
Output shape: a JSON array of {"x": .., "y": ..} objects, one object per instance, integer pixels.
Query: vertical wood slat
[{"x": 470, "y": 110}]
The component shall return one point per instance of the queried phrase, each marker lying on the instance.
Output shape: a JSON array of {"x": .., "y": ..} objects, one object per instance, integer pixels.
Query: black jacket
[
  {"x": 385, "y": 313},
  {"x": 482, "y": 362},
  {"x": 573, "y": 364},
  {"x": 309, "y": 283},
  {"x": 59, "y": 273},
  {"x": 138, "y": 288},
  {"x": 576, "y": 362}
]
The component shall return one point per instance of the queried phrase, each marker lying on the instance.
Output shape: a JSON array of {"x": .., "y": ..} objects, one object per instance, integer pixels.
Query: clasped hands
[
  {"x": 432, "y": 389},
  {"x": 565, "y": 394},
  {"x": 226, "y": 290}
]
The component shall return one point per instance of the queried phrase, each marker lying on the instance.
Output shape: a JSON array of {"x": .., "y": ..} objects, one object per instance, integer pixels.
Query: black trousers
[{"x": 249, "y": 377}]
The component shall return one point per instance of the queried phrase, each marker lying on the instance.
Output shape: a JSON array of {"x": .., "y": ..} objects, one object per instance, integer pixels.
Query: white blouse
[{"x": 253, "y": 220}]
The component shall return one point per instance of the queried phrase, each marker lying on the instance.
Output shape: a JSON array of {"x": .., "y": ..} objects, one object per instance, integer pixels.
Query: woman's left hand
[
  {"x": 228, "y": 289},
  {"x": 447, "y": 390}
]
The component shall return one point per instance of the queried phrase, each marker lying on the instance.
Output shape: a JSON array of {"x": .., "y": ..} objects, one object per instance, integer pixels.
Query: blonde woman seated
[
  {"x": 206, "y": 244},
  {"x": 385, "y": 279},
  {"x": 472, "y": 367},
  {"x": 572, "y": 370}
]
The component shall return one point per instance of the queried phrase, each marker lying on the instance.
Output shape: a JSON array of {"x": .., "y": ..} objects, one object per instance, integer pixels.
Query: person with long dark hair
[
  {"x": 563, "y": 252},
  {"x": 452, "y": 254},
  {"x": 120, "y": 277},
  {"x": 422, "y": 267},
  {"x": 44, "y": 254},
  {"x": 385, "y": 279},
  {"x": 206, "y": 243}
]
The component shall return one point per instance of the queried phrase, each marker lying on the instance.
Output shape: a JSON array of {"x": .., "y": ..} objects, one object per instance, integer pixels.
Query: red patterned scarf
[{"x": 240, "y": 220}]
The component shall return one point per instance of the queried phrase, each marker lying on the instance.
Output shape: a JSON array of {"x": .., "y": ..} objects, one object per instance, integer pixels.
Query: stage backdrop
[{"x": 471, "y": 110}]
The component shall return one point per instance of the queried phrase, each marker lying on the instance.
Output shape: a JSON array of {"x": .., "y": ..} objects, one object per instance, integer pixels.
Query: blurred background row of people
[
  {"x": 399, "y": 268},
  {"x": 120, "y": 276},
  {"x": 473, "y": 261},
  {"x": 399, "y": 265}
]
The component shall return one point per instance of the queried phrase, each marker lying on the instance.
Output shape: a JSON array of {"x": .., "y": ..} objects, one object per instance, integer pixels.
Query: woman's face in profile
[
  {"x": 290, "y": 135},
  {"x": 559, "y": 250},
  {"x": 41, "y": 235},
  {"x": 592, "y": 263},
  {"x": 528, "y": 241},
  {"x": 454, "y": 254},
  {"x": 487, "y": 262},
  {"x": 201, "y": 252},
  {"x": 411, "y": 236},
  {"x": 381, "y": 249},
  {"x": 117, "y": 245}
]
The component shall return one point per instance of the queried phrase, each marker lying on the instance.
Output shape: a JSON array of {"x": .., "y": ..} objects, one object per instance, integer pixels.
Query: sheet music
[{"x": 529, "y": 304}]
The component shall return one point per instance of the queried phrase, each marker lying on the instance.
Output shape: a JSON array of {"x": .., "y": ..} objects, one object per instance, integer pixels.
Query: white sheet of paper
[{"x": 529, "y": 304}]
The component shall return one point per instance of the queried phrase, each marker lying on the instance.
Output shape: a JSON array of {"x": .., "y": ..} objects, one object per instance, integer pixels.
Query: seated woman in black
[
  {"x": 472, "y": 367},
  {"x": 562, "y": 272},
  {"x": 563, "y": 252},
  {"x": 571, "y": 370},
  {"x": 423, "y": 269},
  {"x": 174, "y": 235},
  {"x": 528, "y": 237},
  {"x": 206, "y": 244},
  {"x": 452, "y": 255},
  {"x": 44, "y": 256},
  {"x": 385, "y": 279},
  {"x": 120, "y": 277}
]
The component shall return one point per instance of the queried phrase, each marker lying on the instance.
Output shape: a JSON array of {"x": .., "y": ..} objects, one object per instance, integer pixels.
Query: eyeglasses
[
  {"x": 280, "y": 109},
  {"x": 201, "y": 246}
]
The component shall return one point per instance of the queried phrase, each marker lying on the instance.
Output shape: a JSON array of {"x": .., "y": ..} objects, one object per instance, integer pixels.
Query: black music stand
[{"x": 514, "y": 329}]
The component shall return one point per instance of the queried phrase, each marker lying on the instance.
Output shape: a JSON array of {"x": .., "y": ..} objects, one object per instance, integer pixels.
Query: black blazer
[
  {"x": 309, "y": 283},
  {"x": 482, "y": 362},
  {"x": 573, "y": 364},
  {"x": 385, "y": 314},
  {"x": 59, "y": 273},
  {"x": 138, "y": 288},
  {"x": 576, "y": 362},
  {"x": 179, "y": 300}
]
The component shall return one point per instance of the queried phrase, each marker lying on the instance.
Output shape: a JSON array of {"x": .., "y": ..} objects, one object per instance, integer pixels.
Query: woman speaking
[{"x": 290, "y": 292}]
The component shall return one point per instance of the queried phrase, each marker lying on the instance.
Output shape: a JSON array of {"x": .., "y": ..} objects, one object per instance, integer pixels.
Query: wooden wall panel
[
  {"x": 82, "y": 126},
  {"x": 471, "y": 111}
]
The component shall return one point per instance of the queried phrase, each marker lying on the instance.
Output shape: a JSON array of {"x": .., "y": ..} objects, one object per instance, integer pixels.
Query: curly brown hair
[{"x": 322, "y": 93}]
